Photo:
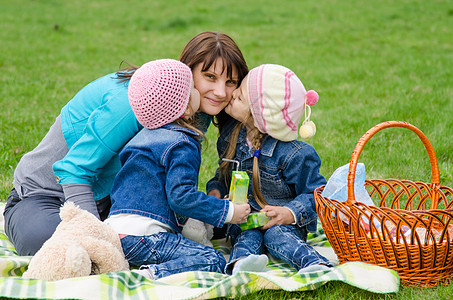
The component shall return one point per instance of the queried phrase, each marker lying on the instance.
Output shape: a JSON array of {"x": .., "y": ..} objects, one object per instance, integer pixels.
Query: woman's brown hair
[
  {"x": 126, "y": 71},
  {"x": 205, "y": 48}
]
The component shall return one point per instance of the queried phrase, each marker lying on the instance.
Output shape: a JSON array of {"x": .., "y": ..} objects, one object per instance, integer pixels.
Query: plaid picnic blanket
[{"x": 189, "y": 285}]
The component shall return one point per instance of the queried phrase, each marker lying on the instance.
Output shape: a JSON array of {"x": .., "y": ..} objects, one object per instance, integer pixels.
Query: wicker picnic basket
[{"x": 409, "y": 231}]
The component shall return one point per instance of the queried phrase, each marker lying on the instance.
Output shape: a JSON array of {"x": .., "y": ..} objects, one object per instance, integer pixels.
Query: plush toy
[
  {"x": 308, "y": 128},
  {"x": 198, "y": 231},
  {"x": 81, "y": 245}
]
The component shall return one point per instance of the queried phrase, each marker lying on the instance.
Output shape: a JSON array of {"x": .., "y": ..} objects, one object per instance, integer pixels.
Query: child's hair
[{"x": 277, "y": 100}]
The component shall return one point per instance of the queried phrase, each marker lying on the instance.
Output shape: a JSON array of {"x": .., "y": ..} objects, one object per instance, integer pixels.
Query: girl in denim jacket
[
  {"x": 268, "y": 106},
  {"x": 155, "y": 190}
]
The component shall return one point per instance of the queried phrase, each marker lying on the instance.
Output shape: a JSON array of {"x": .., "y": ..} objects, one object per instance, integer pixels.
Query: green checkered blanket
[{"x": 189, "y": 285}]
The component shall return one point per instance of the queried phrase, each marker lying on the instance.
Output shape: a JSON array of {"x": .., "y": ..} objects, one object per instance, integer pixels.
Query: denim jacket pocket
[{"x": 273, "y": 186}]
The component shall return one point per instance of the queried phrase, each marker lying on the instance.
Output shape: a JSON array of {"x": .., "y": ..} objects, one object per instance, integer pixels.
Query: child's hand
[
  {"x": 279, "y": 214},
  {"x": 241, "y": 211}
]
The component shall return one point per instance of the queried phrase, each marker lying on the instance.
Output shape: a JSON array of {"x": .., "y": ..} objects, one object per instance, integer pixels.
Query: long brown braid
[{"x": 256, "y": 138}]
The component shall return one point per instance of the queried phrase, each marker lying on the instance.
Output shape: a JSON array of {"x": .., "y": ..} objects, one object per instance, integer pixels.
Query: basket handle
[{"x": 367, "y": 136}]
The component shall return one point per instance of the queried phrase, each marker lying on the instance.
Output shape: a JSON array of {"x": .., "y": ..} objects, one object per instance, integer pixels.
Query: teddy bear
[
  {"x": 81, "y": 245},
  {"x": 198, "y": 231}
]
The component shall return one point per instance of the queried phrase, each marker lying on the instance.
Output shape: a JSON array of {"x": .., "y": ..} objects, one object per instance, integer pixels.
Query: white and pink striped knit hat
[
  {"x": 159, "y": 92},
  {"x": 277, "y": 100}
]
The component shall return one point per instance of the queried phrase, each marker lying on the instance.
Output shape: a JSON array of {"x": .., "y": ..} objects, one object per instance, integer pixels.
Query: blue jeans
[
  {"x": 168, "y": 253},
  {"x": 284, "y": 242}
]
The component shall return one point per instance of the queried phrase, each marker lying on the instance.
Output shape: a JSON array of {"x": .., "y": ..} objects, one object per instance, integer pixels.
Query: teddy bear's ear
[{"x": 68, "y": 211}]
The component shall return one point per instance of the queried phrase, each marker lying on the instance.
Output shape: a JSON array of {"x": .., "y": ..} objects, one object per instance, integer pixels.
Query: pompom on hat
[
  {"x": 277, "y": 100},
  {"x": 308, "y": 128},
  {"x": 159, "y": 92}
]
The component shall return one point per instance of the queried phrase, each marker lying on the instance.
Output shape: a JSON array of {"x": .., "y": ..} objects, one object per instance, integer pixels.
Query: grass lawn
[{"x": 370, "y": 61}]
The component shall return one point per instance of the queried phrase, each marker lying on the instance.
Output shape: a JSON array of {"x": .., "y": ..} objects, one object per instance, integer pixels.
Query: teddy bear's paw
[
  {"x": 55, "y": 262},
  {"x": 77, "y": 262}
]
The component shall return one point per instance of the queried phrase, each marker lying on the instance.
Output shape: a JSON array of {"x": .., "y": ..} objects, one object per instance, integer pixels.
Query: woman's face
[{"x": 215, "y": 88}]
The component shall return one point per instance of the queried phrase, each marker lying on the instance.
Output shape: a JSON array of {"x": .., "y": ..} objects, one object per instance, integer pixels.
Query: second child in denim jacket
[
  {"x": 268, "y": 105},
  {"x": 155, "y": 190}
]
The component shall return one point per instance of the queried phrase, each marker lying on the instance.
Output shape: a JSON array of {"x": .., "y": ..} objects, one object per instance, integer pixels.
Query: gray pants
[{"x": 29, "y": 222}]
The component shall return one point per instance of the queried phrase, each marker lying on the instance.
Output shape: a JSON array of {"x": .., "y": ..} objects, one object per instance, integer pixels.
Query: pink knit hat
[
  {"x": 159, "y": 92},
  {"x": 277, "y": 100}
]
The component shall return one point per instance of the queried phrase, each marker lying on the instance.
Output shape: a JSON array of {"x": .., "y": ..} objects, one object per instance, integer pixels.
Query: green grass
[{"x": 370, "y": 61}]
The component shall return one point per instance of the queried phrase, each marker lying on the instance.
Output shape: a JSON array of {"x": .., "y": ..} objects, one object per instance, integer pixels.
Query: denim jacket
[
  {"x": 159, "y": 179},
  {"x": 289, "y": 173}
]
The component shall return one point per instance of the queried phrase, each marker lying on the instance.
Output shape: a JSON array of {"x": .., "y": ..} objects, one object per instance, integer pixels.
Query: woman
[{"x": 77, "y": 160}]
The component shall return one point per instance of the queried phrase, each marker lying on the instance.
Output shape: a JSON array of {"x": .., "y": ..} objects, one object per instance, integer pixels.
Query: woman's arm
[
  {"x": 108, "y": 129},
  {"x": 95, "y": 133}
]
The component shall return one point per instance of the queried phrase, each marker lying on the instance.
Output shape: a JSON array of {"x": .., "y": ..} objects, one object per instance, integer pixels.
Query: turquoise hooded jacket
[{"x": 96, "y": 124}]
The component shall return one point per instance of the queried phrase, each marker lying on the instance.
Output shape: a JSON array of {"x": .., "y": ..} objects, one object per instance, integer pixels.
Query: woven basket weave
[{"x": 411, "y": 229}]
